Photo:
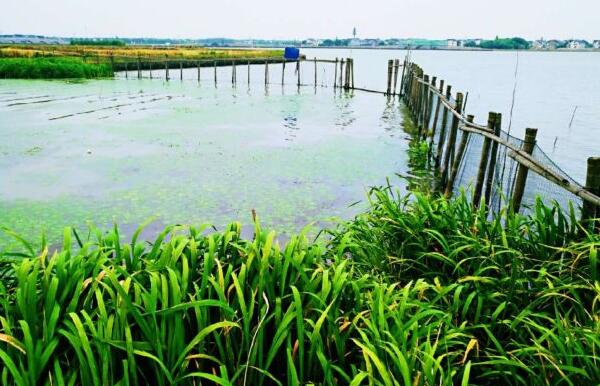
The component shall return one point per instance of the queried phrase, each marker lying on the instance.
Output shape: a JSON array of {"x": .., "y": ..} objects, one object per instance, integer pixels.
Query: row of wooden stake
[
  {"x": 342, "y": 79},
  {"x": 419, "y": 93}
]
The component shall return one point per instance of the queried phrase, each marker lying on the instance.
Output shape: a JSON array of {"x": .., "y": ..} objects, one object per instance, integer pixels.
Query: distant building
[
  {"x": 554, "y": 44},
  {"x": 477, "y": 42},
  {"x": 577, "y": 44},
  {"x": 311, "y": 43},
  {"x": 596, "y": 44},
  {"x": 539, "y": 44},
  {"x": 453, "y": 43},
  {"x": 354, "y": 42}
]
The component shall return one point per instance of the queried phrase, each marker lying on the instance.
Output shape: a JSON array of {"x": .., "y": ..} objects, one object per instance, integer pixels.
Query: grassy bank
[
  {"x": 416, "y": 291},
  {"x": 83, "y": 61},
  {"x": 51, "y": 68}
]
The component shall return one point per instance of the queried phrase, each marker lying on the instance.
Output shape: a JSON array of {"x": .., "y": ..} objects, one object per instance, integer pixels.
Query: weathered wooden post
[
  {"x": 180, "y": 70},
  {"x": 347, "y": 74},
  {"x": 248, "y": 72},
  {"x": 389, "y": 77},
  {"x": 401, "y": 92},
  {"x": 396, "y": 70},
  {"x": 422, "y": 106},
  {"x": 464, "y": 139},
  {"x": 150, "y": 68},
  {"x": 442, "y": 141},
  {"x": 335, "y": 73},
  {"x": 315, "y": 60},
  {"x": 198, "y": 65},
  {"x": 215, "y": 65},
  {"x": 522, "y": 171},
  {"x": 166, "y": 67},
  {"x": 489, "y": 181},
  {"x": 435, "y": 118},
  {"x": 298, "y": 71},
  {"x": 352, "y": 73},
  {"x": 126, "y": 71},
  {"x": 341, "y": 80},
  {"x": 430, "y": 94},
  {"x": 591, "y": 212},
  {"x": 266, "y": 72},
  {"x": 139, "y": 67},
  {"x": 483, "y": 161},
  {"x": 450, "y": 149},
  {"x": 283, "y": 73}
]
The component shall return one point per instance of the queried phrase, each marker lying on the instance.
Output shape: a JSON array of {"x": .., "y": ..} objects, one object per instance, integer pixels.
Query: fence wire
[{"x": 499, "y": 181}]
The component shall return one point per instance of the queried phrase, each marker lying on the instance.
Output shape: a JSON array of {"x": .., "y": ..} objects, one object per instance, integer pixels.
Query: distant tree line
[
  {"x": 502, "y": 44},
  {"x": 98, "y": 42}
]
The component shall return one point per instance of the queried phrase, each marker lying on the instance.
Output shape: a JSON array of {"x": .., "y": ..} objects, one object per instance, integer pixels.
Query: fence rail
[{"x": 493, "y": 162}]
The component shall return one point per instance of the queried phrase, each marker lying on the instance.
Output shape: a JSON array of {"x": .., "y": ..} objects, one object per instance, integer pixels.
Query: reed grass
[
  {"x": 416, "y": 291},
  {"x": 51, "y": 68}
]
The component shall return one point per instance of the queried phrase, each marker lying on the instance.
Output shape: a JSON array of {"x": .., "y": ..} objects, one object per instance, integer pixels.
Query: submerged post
[
  {"x": 248, "y": 72},
  {"x": 266, "y": 72},
  {"x": 166, "y": 67},
  {"x": 180, "y": 70},
  {"x": 139, "y": 67},
  {"x": 423, "y": 106},
  {"x": 198, "y": 64},
  {"x": 483, "y": 161},
  {"x": 522, "y": 171},
  {"x": 298, "y": 71},
  {"x": 459, "y": 155},
  {"x": 215, "y": 65},
  {"x": 396, "y": 68},
  {"x": 315, "y": 60},
  {"x": 341, "y": 82},
  {"x": 591, "y": 212},
  {"x": 283, "y": 73},
  {"x": 335, "y": 73},
  {"x": 401, "y": 91},
  {"x": 389, "y": 77},
  {"x": 150, "y": 68},
  {"x": 442, "y": 141},
  {"x": 450, "y": 149},
  {"x": 489, "y": 181},
  {"x": 352, "y": 73}
]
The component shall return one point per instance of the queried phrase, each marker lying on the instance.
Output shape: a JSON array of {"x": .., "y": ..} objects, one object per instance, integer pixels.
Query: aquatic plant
[
  {"x": 51, "y": 68},
  {"x": 416, "y": 291}
]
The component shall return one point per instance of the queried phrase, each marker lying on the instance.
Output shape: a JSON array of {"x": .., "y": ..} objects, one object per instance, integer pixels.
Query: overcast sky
[{"x": 304, "y": 18}]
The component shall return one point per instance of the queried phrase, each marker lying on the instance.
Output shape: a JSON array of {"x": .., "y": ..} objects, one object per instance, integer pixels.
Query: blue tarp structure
[{"x": 291, "y": 53}]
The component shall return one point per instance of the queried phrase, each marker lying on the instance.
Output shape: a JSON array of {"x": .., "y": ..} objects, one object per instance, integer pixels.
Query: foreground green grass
[
  {"x": 417, "y": 291},
  {"x": 51, "y": 68}
]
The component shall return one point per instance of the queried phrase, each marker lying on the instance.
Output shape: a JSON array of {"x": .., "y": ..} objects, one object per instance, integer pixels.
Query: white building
[
  {"x": 453, "y": 43},
  {"x": 576, "y": 44},
  {"x": 596, "y": 44}
]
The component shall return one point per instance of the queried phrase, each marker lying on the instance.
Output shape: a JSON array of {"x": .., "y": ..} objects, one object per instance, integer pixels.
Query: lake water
[
  {"x": 550, "y": 86},
  {"x": 126, "y": 150}
]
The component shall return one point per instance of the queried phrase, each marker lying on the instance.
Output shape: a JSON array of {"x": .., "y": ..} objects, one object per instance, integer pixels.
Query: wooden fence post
[
  {"x": 180, "y": 70},
  {"x": 283, "y": 73},
  {"x": 341, "y": 80},
  {"x": 166, "y": 68},
  {"x": 459, "y": 155},
  {"x": 489, "y": 181},
  {"x": 401, "y": 91},
  {"x": 423, "y": 103},
  {"x": 298, "y": 72},
  {"x": 248, "y": 72},
  {"x": 396, "y": 68},
  {"x": 483, "y": 161},
  {"x": 521, "y": 179},
  {"x": 335, "y": 74},
  {"x": 215, "y": 65},
  {"x": 315, "y": 60},
  {"x": 266, "y": 72},
  {"x": 442, "y": 141},
  {"x": 591, "y": 212},
  {"x": 389, "y": 77},
  {"x": 435, "y": 119},
  {"x": 352, "y": 73},
  {"x": 450, "y": 149}
]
